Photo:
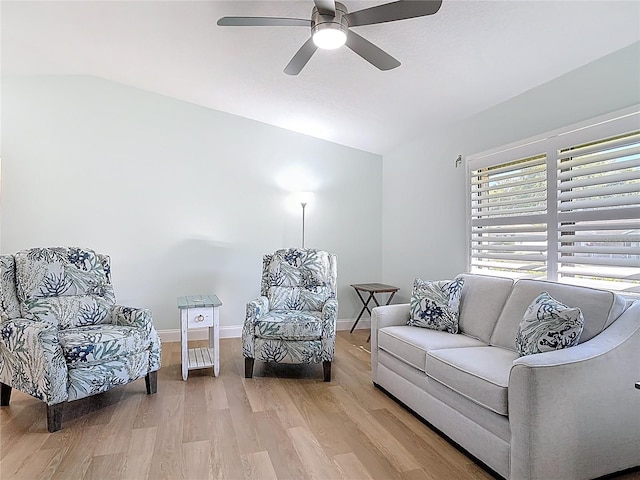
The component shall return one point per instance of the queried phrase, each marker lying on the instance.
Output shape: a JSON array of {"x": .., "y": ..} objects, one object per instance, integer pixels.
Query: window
[{"x": 563, "y": 207}]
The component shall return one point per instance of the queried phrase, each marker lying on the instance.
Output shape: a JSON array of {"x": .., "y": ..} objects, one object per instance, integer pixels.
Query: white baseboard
[{"x": 235, "y": 331}]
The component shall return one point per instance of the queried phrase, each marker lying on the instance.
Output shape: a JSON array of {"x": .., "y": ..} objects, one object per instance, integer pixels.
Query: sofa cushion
[
  {"x": 101, "y": 343},
  {"x": 548, "y": 325},
  {"x": 289, "y": 325},
  {"x": 479, "y": 373},
  {"x": 600, "y": 308},
  {"x": 435, "y": 305},
  {"x": 483, "y": 297},
  {"x": 411, "y": 344}
]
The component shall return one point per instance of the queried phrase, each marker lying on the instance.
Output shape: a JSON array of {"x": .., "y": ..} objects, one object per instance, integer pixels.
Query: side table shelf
[{"x": 200, "y": 311}]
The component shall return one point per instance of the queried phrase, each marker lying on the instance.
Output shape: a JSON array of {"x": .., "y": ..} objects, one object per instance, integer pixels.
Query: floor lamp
[{"x": 304, "y": 198}]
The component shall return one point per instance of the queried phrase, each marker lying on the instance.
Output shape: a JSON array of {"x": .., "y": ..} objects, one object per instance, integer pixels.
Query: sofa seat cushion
[
  {"x": 94, "y": 344},
  {"x": 479, "y": 373},
  {"x": 411, "y": 344},
  {"x": 290, "y": 325}
]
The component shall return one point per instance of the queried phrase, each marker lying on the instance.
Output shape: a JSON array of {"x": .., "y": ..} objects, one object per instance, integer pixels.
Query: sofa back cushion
[
  {"x": 483, "y": 297},
  {"x": 67, "y": 286},
  {"x": 600, "y": 308},
  {"x": 9, "y": 304}
]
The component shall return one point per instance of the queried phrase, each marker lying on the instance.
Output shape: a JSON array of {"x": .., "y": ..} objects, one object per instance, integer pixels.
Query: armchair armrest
[
  {"x": 329, "y": 323},
  {"x": 140, "y": 318},
  {"x": 255, "y": 309},
  {"x": 574, "y": 412},
  {"x": 131, "y": 317},
  {"x": 31, "y": 360}
]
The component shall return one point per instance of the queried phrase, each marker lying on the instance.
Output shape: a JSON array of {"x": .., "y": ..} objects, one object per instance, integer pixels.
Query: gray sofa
[{"x": 567, "y": 414}]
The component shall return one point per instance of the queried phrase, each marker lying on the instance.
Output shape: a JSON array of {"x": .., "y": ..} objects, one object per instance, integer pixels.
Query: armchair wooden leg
[
  {"x": 248, "y": 367},
  {"x": 5, "y": 394},
  {"x": 54, "y": 417},
  {"x": 326, "y": 367},
  {"x": 151, "y": 381}
]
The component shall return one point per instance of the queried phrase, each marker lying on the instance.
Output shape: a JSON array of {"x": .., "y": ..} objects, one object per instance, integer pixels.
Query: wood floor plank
[
  {"x": 140, "y": 453},
  {"x": 400, "y": 457},
  {"x": 284, "y": 457},
  {"x": 350, "y": 467},
  {"x": 196, "y": 459},
  {"x": 106, "y": 466},
  {"x": 258, "y": 466},
  {"x": 317, "y": 465}
]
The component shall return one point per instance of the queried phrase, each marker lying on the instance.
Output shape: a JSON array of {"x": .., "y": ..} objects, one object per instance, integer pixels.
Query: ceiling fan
[{"x": 330, "y": 25}]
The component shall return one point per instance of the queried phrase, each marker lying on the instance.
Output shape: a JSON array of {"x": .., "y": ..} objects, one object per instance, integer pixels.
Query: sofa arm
[
  {"x": 31, "y": 360},
  {"x": 255, "y": 309},
  {"x": 574, "y": 412},
  {"x": 385, "y": 316}
]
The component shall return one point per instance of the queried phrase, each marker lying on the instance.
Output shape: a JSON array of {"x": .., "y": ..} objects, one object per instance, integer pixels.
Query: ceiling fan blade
[
  {"x": 326, "y": 7},
  {"x": 300, "y": 59},
  {"x": 263, "y": 22},
  {"x": 390, "y": 12},
  {"x": 372, "y": 54}
]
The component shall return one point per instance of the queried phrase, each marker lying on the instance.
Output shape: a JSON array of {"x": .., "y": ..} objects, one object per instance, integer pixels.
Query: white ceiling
[{"x": 466, "y": 58}]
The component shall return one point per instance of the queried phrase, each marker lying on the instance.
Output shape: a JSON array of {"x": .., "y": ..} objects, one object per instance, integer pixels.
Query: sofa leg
[
  {"x": 5, "y": 394},
  {"x": 326, "y": 367},
  {"x": 151, "y": 380},
  {"x": 248, "y": 367},
  {"x": 54, "y": 417}
]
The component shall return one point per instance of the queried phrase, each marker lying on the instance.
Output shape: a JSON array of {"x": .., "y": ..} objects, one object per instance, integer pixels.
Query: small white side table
[{"x": 200, "y": 311}]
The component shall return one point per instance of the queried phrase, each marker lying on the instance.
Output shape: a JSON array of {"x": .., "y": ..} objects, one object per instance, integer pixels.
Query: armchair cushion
[
  {"x": 68, "y": 286},
  {"x": 294, "y": 279},
  {"x": 101, "y": 343},
  {"x": 290, "y": 325},
  {"x": 70, "y": 311},
  {"x": 298, "y": 298}
]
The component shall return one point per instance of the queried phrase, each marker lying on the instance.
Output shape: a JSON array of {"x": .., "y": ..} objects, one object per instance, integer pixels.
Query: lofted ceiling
[{"x": 466, "y": 58}]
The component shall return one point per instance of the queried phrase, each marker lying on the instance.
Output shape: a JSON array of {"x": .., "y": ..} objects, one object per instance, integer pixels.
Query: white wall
[
  {"x": 424, "y": 214},
  {"x": 186, "y": 200}
]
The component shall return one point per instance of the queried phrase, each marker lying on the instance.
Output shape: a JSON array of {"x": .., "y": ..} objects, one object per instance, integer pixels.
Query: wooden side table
[
  {"x": 200, "y": 311},
  {"x": 372, "y": 289}
]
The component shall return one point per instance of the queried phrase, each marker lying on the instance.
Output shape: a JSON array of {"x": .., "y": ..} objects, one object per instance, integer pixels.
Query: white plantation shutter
[
  {"x": 565, "y": 206},
  {"x": 508, "y": 217},
  {"x": 599, "y": 213}
]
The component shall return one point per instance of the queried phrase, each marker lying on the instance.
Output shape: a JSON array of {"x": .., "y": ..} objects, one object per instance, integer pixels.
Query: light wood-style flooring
[{"x": 285, "y": 423}]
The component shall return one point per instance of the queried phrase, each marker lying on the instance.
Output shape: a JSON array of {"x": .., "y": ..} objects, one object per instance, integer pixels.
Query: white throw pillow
[
  {"x": 548, "y": 325},
  {"x": 436, "y": 305}
]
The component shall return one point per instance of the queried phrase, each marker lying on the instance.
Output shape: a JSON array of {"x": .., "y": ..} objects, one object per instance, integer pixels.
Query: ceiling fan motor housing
[{"x": 331, "y": 22}]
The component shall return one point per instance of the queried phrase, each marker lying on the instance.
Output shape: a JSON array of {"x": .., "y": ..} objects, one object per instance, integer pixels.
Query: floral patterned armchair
[
  {"x": 62, "y": 337},
  {"x": 294, "y": 319}
]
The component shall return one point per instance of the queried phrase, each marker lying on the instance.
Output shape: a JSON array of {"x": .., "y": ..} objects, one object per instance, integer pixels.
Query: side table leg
[
  {"x": 214, "y": 341},
  {"x": 184, "y": 344}
]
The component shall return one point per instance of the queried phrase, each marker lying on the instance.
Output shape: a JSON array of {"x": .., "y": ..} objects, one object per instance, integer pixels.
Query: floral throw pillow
[
  {"x": 435, "y": 305},
  {"x": 548, "y": 325}
]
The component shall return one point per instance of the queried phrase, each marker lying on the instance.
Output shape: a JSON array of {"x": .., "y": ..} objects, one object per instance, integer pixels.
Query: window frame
[{"x": 549, "y": 144}]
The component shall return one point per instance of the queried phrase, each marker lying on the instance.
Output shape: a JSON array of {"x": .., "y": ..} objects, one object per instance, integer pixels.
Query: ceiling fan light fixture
[{"x": 329, "y": 38}]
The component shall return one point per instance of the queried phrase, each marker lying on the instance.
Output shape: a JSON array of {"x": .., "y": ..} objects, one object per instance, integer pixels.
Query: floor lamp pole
[{"x": 304, "y": 204}]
